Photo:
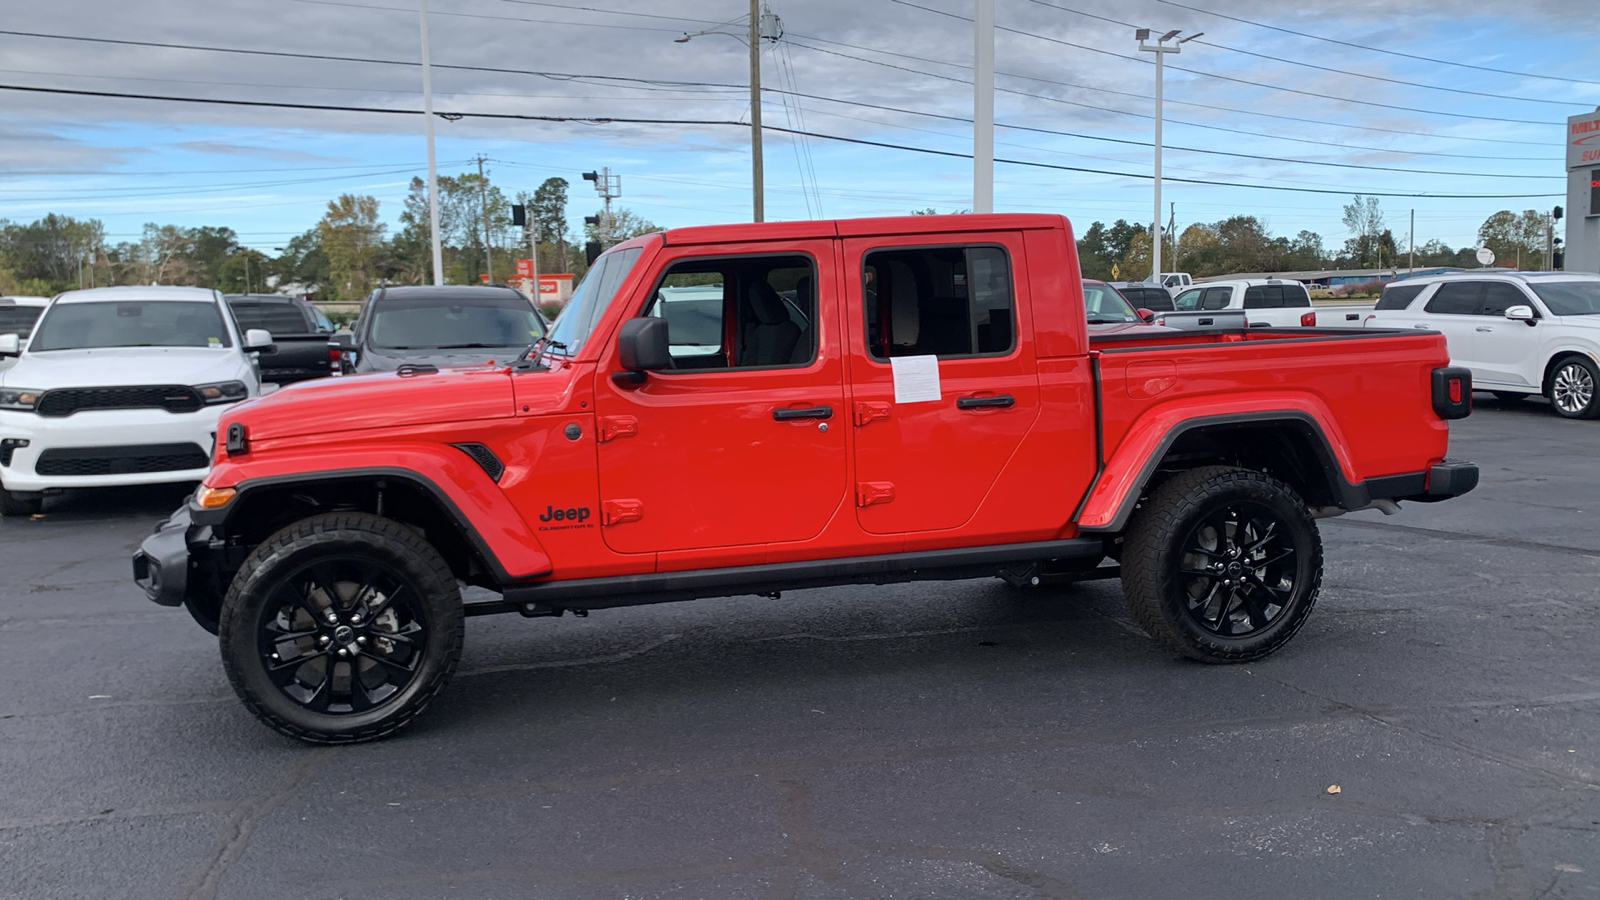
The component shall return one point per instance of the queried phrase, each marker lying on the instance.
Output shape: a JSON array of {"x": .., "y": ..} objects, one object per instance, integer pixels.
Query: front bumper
[
  {"x": 161, "y": 567},
  {"x": 117, "y": 430}
]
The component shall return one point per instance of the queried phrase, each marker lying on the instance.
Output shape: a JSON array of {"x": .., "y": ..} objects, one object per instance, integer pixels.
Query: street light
[
  {"x": 1160, "y": 48},
  {"x": 766, "y": 26}
]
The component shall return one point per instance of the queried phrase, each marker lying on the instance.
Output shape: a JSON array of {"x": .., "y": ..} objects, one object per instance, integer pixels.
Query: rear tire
[
  {"x": 1573, "y": 385},
  {"x": 16, "y": 504},
  {"x": 341, "y": 628},
  {"x": 1222, "y": 565}
]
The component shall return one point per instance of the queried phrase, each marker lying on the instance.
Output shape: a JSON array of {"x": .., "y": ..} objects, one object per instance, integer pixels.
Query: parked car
[
  {"x": 1176, "y": 280},
  {"x": 302, "y": 334},
  {"x": 1264, "y": 301},
  {"x": 1144, "y": 295},
  {"x": 440, "y": 326},
  {"x": 1521, "y": 333},
  {"x": 119, "y": 386},
  {"x": 17, "y": 315},
  {"x": 949, "y": 416}
]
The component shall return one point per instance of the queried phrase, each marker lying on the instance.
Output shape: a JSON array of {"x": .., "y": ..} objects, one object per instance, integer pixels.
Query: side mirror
[
  {"x": 260, "y": 340},
  {"x": 1520, "y": 313},
  {"x": 1146, "y": 315},
  {"x": 10, "y": 345},
  {"x": 643, "y": 346}
]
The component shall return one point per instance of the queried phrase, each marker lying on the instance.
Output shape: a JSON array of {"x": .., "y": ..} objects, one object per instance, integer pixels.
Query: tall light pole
[
  {"x": 433, "y": 171},
  {"x": 1160, "y": 48},
  {"x": 770, "y": 27},
  {"x": 983, "y": 108}
]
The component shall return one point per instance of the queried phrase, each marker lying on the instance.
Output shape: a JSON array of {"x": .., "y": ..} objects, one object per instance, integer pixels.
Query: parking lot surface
[{"x": 934, "y": 740}]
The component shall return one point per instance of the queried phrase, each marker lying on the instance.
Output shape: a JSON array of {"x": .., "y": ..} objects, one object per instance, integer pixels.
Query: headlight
[
  {"x": 19, "y": 398},
  {"x": 222, "y": 392}
]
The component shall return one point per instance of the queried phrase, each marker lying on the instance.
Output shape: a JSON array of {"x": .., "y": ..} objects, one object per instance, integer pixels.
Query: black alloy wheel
[
  {"x": 1238, "y": 570},
  {"x": 341, "y": 628},
  {"x": 342, "y": 635},
  {"x": 1222, "y": 564}
]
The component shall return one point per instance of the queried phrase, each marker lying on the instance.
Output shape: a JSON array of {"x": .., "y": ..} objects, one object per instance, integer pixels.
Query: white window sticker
[{"x": 916, "y": 378}]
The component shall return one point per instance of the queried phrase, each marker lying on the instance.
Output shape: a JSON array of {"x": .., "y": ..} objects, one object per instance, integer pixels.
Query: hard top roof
[{"x": 892, "y": 225}]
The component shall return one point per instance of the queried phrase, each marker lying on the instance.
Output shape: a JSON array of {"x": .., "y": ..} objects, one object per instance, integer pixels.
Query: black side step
[{"x": 888, "y": 568}]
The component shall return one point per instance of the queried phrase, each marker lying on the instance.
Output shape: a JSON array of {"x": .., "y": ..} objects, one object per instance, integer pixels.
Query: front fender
[
  {"x": 1131, "y": 465},
  {"x": 483, "y": 514}
]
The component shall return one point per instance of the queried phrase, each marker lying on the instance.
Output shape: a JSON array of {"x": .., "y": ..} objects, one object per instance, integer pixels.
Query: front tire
[
  {"x": 1222, "y": 565},
  {"x": 1573, "y": 388},
  {"x": 16, "y": 504},
  {"x": 341, "y": 628}
]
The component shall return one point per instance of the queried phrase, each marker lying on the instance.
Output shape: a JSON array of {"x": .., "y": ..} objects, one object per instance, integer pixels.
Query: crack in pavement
[
  {"x": 1453, "y": 537},
  {"x": 204, "y": 882}
]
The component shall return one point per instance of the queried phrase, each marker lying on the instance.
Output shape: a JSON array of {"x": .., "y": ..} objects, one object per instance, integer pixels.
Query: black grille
[
  {"x": 172, "y": 398},
  {"x": 131, "y": 460}
]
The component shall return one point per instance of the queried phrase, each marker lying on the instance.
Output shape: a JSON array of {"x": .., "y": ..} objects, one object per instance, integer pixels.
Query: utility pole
[
  {"x": 1160, "y": 49},
  {"x": 983, "y": 108},
  {"x": 758, "y": 201},
  {"x": 533, "y": 252},
  {"x": 433, "y": 172},
  {"x": 483, "y": 201},
  {"x": 609, "y": 187},
  {"x": 1411, "y": 267}
]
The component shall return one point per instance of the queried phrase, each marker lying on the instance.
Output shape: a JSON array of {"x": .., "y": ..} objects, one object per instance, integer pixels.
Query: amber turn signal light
[{"x": 214, "y": 498}]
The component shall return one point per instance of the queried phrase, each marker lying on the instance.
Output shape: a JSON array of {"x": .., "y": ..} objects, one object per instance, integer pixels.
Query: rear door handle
[
  {"x": 787, "y": 414},
  {"x": 1484, "y": 328},
  {"x": 1419, "y": 326},
  {"x": 1003, "y": 401}
]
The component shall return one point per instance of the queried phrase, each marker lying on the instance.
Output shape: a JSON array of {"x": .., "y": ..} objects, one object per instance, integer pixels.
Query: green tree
[
  {"x": 1364, "y": 220},
  {"x": 48, "y": 254},
  {"x": 352, "y": 238},
  {"x": 1135, "y": 262},
  {"x": 625, "y": 224},
  {"x": 1516, "y": 239}
]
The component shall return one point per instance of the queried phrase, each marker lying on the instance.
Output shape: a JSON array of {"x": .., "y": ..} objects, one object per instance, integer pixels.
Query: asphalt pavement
[{"x": 1431, "y": 732}]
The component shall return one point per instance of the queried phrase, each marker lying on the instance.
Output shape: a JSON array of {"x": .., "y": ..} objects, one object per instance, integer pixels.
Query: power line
[
  {"x": 1270, "y": 87},
  {"x": 1370, "y": 49},
  {"x": 1123, "y": 112},
  {"x": 606, "y": 120},
  {"x": 1300, "y": 63}
]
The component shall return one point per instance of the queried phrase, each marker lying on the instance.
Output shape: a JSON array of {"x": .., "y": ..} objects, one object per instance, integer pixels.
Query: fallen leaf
[{"x": 1333, "y": 789}]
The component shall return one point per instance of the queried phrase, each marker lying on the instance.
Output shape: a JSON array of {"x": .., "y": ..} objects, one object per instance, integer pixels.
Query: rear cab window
[
  {"x": 949, "y": 302},
  {"x": 18, "y": 319}
]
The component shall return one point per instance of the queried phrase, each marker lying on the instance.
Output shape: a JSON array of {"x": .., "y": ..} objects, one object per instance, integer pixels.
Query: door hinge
[
  {"x": 613, "y": 427},
  {"x": 871, "y": 412},
  {"x": 615, "y": 512},
  {"x": 871, "y": 493}
]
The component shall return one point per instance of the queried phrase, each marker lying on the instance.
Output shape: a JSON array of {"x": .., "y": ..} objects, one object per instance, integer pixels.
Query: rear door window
[
  {"x": 1398, "y": 297},
  {"x": 1188, "y": 300},
  {"x": 1457, "y": 298}
]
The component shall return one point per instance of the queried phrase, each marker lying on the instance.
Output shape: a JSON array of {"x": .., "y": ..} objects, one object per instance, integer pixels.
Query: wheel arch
[
  {"x": 1290, "y": 444},
  {"x": 1556, "y": 359},
  {"x": 267, "y": 504}
]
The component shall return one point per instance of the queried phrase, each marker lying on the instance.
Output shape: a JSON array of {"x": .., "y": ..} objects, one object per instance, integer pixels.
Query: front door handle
[
  {"x": 1002, "y": 401},
  {"x": 788, "y": 414},
  {"x": 1419, "y": 326},
  {"x": 1484, "y": 328}
]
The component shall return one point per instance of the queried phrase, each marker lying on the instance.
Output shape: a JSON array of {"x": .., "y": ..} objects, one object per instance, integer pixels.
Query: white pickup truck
[
  {"x": 1521, "y": 333},
  {"x": 119, "y": 386},
  {"x": 1261, "y": 302}
]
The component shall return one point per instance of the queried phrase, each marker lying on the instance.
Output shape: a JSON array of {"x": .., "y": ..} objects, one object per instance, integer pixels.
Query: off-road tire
[
  {"x": 1575, "y": 388},
  {"x": 348, "y": 539},
  {"x": 1159, "y": 537},
  {"x": 15, "y": 505}
]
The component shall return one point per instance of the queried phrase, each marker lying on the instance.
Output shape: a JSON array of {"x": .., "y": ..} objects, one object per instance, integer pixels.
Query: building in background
[{"x": 1583, "y": 193}]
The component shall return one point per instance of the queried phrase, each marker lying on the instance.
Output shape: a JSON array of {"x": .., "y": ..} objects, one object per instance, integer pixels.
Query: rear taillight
[
  {"x": 1308, "y": 319},
  {"x": 335, "y": 358},
  {"x": 1452, "y": 392}
]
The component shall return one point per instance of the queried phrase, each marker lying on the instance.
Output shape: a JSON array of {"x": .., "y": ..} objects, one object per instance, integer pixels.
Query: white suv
[
  {"x": 119, "y": 386},
  {"x": 1521, "y": 333}
]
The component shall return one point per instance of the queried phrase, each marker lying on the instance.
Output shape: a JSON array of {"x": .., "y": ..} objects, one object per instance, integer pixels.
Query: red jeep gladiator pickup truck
[{"x": 748, "y": 409}]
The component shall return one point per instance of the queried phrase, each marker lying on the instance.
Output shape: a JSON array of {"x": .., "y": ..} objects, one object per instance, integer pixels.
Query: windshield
[
  {"x": 454, "y": 322},
  {"x": 132, "y": 323},
  {"x": 591, "y": 297},
  {"x": 1104, "y": 305},
  {"x": 1570, "y": 298}
]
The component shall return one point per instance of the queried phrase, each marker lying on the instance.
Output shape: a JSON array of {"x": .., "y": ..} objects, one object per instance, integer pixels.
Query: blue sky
[{"x": 887, "y": 71}]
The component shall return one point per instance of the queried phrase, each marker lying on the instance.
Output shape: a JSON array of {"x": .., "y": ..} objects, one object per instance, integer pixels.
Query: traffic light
[
  {"x": 591, "y": 251},
  {"x": 1556, "y": 213},
  {"x": 591, "y": 220},
  {"x": 519, "y": 215},
  {"x": 591, "y": 176}
]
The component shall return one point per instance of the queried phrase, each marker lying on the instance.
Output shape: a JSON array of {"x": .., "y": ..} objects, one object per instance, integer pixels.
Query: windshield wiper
[{"x": 533, "y": 355}]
